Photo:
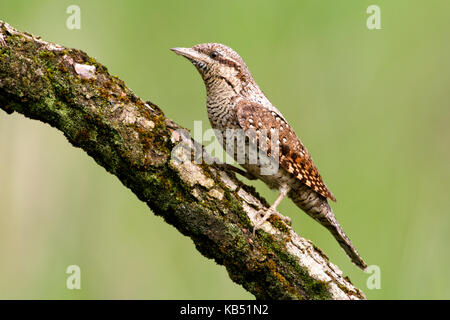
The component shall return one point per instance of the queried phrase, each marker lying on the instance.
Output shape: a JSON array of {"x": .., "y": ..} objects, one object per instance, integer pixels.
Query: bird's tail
[
  {"x": 321, "y": 212},
  {"x": 329, "y": 221}
]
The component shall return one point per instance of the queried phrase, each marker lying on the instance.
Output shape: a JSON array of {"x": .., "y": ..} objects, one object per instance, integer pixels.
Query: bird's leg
[
  {"x": 243, "y": 173},
  {"x": 273, "y": 210}
]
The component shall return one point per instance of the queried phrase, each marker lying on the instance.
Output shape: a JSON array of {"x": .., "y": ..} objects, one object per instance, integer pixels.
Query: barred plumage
[
  {"x": 293, "y": 155},
  {"x": 234, "y": 101}
]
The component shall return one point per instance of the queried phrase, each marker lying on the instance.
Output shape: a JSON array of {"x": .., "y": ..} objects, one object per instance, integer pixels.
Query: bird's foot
[{"x": 266, "y": 215}]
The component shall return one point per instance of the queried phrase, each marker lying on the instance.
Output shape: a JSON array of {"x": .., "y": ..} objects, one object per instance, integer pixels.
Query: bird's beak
[{"x": 189, "y": 53}]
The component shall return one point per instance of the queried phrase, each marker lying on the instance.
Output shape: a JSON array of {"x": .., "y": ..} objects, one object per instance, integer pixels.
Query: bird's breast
[{"x": 221, "y": 112}]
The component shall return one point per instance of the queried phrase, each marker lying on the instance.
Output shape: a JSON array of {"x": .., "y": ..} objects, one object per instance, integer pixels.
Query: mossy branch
[{"x": 134, "y": 141}]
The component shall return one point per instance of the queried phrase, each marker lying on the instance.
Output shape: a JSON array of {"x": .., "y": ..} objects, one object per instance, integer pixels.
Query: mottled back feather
[{"x": 293, "y": 155}]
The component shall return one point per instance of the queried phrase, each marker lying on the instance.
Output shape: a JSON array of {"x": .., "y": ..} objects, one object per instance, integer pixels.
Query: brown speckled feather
[
  {"x": 234, "y": 101},
  {"x": 294, "y": 157}
]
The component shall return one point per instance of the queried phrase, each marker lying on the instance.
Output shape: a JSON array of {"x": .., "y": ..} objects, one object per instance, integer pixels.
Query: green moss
[
  {"x": 279, "y": 224},
  {"x": 252, "y": 190},
  {"x": 4, "y": 52},
  {"x": 316, "y": 289},
  {"x": 234, "y": 206},
  {"x": 47, "y": 55}
]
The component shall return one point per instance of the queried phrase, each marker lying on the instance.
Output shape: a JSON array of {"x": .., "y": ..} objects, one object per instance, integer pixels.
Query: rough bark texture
[{"x": 133, "y": 140}]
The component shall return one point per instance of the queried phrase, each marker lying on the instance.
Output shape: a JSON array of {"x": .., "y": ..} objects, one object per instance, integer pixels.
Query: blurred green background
[{"x": 372, "y": 106}]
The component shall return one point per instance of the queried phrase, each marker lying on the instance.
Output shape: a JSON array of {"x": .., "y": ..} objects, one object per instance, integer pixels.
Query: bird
[{"x": 235, "y": 102}]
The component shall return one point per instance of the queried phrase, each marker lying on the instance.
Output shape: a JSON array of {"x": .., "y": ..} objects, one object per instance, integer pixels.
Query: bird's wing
[{"x": 293, "y": 155}]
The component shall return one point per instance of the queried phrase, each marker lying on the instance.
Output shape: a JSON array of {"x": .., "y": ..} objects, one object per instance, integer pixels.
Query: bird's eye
[{"x": 214, "y": 54}]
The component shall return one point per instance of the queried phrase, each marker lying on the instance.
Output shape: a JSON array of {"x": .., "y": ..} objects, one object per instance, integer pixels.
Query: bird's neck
[
  {"x": 231, "y": 88},
  {"x": 221, "y": 97},
  {"x": 218, "y": 86}
]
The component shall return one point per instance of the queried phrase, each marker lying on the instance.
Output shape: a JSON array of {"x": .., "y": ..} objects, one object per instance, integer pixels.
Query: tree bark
[{"x": 134, "y": 141}]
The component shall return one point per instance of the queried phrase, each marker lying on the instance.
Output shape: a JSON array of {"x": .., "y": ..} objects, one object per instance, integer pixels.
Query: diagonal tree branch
[{"x": 133, "y": 140}]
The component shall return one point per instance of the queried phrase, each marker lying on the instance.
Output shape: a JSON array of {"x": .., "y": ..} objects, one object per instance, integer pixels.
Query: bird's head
[{"x": 216, "y": 61}]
